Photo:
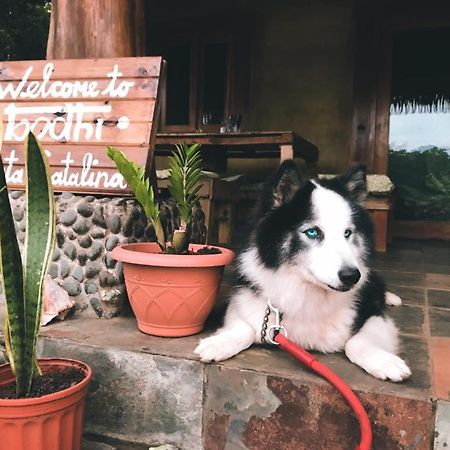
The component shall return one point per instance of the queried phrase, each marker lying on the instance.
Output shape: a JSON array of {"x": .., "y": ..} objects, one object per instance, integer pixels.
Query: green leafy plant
[
  {"x": 23, "y": 277},
  {"x": 20, "y": 15},
  {"x": 184, "y": 176},
  {"x": 422, "y": 181}
]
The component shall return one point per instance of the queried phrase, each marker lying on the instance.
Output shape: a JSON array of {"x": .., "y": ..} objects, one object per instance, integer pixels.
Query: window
[
  {"x": 178, "y": 84},
  {"x": 214, "y": 82},
  {"x": 207, "y": 73}
]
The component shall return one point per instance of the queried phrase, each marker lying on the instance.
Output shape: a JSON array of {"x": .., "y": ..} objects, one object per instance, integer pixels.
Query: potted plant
[
  {"x": 172, "y": 284},
  {"x": 41, "y": 400}
]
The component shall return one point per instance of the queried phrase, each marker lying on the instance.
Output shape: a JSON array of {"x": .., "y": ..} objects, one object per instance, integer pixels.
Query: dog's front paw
[
  {"x": 392, "y": 299},
  {"x": 387, "y": 366},
  {"x": 224, "y": 345},
  {"x": 215, "y": 348}
]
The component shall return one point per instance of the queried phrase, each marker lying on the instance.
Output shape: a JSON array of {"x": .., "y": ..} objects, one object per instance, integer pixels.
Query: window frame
[{"x": 220, "y": 30}]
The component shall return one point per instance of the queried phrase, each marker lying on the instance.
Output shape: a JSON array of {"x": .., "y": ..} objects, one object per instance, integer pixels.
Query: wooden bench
[
  {"x": 379, "y": 203},
  {"x": 380, "y": 209}
]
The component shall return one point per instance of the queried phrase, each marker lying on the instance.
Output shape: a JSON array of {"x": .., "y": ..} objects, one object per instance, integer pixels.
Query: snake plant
[
  {"x": 23, "y": 277},
  {"x": 184, "y": 176}
]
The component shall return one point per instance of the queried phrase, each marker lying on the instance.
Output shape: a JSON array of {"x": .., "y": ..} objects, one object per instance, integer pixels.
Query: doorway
[
  {"x": 401, "y": 113},
  {"x": 419, "y": 130}
]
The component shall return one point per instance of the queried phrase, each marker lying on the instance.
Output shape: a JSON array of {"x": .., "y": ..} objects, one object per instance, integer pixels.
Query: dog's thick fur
[{"x": 310, "y": 254}]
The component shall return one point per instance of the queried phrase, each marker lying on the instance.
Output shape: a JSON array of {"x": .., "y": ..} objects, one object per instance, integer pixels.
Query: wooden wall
[{"x": 301, "y": 62}]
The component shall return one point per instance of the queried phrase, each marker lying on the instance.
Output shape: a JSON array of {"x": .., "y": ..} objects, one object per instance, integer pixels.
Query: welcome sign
[{"x": 77, "y": 108}]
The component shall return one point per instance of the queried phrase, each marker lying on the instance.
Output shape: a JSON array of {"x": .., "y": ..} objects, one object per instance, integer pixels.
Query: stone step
[
  {"x": 151, "y": 391},
  {"x": 89, "y": 444}
]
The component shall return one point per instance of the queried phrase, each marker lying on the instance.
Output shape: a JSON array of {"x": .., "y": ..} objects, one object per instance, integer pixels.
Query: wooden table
[{"x": 248, "y": 144}]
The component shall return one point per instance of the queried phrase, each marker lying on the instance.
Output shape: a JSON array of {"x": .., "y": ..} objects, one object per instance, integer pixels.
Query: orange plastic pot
[
  {"x": 50, "y": 422},
  {"x": 171, "y": 295}
]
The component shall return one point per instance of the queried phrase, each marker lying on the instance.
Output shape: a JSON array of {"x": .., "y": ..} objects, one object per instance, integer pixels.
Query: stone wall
[{"x": 88, "y": 229}]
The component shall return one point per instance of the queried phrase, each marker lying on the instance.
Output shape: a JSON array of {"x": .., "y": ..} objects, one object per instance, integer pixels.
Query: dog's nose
[{"x": 349, "y": 276}]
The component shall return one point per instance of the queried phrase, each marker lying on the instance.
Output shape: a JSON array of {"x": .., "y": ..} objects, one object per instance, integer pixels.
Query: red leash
[{"x": 307, "y": 359}]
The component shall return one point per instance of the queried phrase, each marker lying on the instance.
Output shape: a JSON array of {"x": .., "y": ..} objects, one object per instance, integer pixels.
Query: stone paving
[{"x": 420, "y": 273}]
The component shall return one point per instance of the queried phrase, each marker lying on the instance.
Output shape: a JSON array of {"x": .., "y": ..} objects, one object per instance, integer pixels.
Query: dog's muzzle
[{"x": 349, "y": 276}]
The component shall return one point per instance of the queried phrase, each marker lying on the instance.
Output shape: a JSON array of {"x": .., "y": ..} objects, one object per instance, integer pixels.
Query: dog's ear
[
  {"x": 281, "y": 187},
  {"x": 287, "y": 182},
  {"x": 355, "y": 182}
]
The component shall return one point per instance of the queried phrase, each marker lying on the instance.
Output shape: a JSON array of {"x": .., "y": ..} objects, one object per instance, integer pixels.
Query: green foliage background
[
  {"x": 422, "y": 181},
  {"x": 23, "y": 29}
]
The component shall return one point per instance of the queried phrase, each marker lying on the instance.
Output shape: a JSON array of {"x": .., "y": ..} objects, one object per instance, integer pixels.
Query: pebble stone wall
[{"x": 88, "y": 229}]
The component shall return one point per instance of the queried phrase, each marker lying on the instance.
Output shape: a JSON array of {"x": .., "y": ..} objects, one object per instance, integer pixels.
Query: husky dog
[{"x": 309, "y": 254}]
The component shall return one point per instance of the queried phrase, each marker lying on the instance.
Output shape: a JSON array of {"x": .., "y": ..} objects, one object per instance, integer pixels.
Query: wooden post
[
  {"x": 286, "y": 152},
  {"x": 96, "y": 29},
  {"x": 99, "y": 29}
]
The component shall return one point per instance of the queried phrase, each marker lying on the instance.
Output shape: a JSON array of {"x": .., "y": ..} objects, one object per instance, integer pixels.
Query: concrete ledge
[
  {"x": 153, "y": 391},
  {"x": 442, "y": 434}
]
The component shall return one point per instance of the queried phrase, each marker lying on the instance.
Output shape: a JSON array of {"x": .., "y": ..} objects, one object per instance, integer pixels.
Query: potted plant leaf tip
[
  {"x": 172, "y": 284},
  {"x": 41, "y": 400}
]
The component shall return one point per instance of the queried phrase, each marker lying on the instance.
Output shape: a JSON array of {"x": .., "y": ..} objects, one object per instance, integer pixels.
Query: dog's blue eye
[
  {"x": 347, "y": 233},
  {"x": 312, "y": 233}
]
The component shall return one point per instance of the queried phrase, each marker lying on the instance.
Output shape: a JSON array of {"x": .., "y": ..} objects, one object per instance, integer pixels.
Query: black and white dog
[{"x": 309, "y": 254}]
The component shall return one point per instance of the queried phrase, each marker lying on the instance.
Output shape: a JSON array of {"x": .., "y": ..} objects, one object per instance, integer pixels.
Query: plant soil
[
  {"x": 49, "y": 383},
  {"x": 206, "y": 251},
  {"x": 201, "y": 251}
]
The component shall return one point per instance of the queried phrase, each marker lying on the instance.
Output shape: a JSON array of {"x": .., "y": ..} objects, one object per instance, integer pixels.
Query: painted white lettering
[
  {"x": 67, "y": 162},
  {"x": 44, "y": 130},
  {"x": 109, "y": 90},
  {"x": 46, "y": 74},
  {"x": 10, "y": 160},
  {"x": 69, "y": 176},
  {"x": 117, "y": 181},
  {"x": 9, "y": 88},
  {"x": 86, "y": 177},
  {"x": 68, "y": 127},
  {"x": 98, "y": 128},
  {"x": 32, "y": 89},
  {"x": 12, "y": 128},
  {"x": 73, "y": 179},
  {"x": 57, "y": 179},
  {"x": 16, "y": 177},
  {"x": 122, "y": 89},
  {"x": 64, "y": 89}
]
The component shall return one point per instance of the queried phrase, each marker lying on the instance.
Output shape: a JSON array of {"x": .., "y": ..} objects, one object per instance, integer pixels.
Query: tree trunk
[{"x": 96, "y": 29}]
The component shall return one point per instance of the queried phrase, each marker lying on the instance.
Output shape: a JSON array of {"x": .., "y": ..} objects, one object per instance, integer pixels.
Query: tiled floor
[{"x": 419, "y": 271}]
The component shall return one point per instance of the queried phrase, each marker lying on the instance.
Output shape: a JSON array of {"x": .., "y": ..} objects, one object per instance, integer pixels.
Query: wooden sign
[{"x": 77, "y": 108}]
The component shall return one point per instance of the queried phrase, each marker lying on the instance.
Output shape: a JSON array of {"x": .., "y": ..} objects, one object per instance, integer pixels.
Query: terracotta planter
[
  {"x": 50, "y": 422},
  {"x": 171, "y": 295}
]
